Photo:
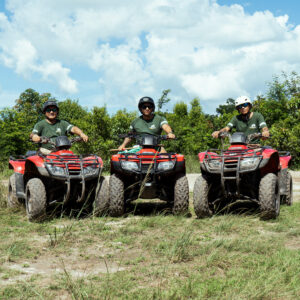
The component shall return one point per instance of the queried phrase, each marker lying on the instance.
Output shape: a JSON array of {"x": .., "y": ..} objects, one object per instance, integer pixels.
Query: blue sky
[
  {"x": 277, "y": 7},
  {"x": 114, "y": 52}
]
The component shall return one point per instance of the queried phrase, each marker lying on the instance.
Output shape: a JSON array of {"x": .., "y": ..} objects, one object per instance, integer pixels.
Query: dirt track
[{"x": 192, "y": 178}]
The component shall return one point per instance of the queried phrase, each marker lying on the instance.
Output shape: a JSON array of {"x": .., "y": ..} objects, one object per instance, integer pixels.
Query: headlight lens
[
  {"x": 129, "y": 165},
  {"x": 250, "y": 162},
  {"x": 90, "y": 171},
  {"x": 56, "y": 170},
  {"x": 214, "y": 164},
  {"x": 165, "y": 165}
]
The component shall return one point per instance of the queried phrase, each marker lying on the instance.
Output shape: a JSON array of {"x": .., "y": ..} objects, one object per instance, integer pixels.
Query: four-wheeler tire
[
  {"x": 181, "y": 196},
  {"x": 12, "y": 199},
  {"x": 36, "y": 200},
  {"x": 269, "y": 197},
  {"x": 201, "y": 190},
  {"x": 289, "y": 189},
  {"x": 101, "y": 203},
  {"x": 116, "y": 196}
]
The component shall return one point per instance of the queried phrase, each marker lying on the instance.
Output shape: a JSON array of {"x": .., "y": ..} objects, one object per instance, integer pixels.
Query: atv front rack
[
  {"x": 230, "y": 164},
  {"x": 148, "y": 161},
  {"x": 73, "y": 167}
]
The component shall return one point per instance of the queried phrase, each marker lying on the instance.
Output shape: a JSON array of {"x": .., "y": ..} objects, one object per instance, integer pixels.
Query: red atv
[
  {"x": 61, "y": 177},
  {"x": 244, "y": 171},
  {"x": 148, "y": 174}
]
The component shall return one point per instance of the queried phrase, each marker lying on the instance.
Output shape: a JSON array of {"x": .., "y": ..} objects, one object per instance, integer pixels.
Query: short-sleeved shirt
[
  {"x": 153, "y": 126},
  {"x": 52, "y": 131},
  {"x": 253, "y": 125}
]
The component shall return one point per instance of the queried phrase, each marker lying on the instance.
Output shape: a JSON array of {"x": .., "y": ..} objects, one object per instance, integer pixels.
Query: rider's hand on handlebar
[
  {"x": 215, "y": 134},
  {"x": 84, "y": 137},
  {"x": 44, "y": 140},
  {"x": 171, "y": 135},
  {"x": 265, "y": 134}
]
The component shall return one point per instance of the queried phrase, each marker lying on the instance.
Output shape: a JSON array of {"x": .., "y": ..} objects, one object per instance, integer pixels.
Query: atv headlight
[
  {"x": 214, "y": 164},
  {"x": 56, "y": 170},
  {"x": 129, "y": 165},
  {"x": 249, "y": 162},
  {"x": 165, "y": 165},
  {"x": 90, "y": 171}
]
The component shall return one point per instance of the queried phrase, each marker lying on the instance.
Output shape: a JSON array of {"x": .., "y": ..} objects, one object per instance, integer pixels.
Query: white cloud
[{"x": 139, "y": 47}]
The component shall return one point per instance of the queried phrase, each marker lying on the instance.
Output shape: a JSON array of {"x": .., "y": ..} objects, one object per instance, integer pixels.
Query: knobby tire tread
[
  {"x": 36, "y": 211},
  {"x": 181, "y": 196},
  {"x": 12, "y": 199},
  {"x": 101, "y": 203},
  {"x": 116, "y": 196},
  {"x": 200, "y": 198},
  {"x": 268, "y": 199},
  {"x": 289, "y": 189}
]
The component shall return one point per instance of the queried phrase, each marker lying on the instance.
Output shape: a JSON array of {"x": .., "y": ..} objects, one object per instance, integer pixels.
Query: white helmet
[{"x": 241, "y": 100}]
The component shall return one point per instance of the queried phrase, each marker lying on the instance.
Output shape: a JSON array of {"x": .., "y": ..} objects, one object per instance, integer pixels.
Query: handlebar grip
[{"x": 76, "y": 139}]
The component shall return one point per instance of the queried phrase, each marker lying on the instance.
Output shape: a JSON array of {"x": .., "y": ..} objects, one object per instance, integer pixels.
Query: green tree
[
  {"x": 163, "y": 99},
  {"x": 227, "y": 108}
]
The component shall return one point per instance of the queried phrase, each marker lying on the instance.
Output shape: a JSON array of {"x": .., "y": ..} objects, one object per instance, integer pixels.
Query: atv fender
[
  {"x": 33, "y": 168},
  {"x": 285, "y": 161},
  {"x": 37, "y": 160},
  {"x": 270, "y": 163},
  {"x": 17, "y": 165}
]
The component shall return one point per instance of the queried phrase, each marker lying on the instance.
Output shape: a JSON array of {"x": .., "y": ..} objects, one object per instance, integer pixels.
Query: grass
[
  {"x": 150, "y": 257},
  {"x": 5, "y": 172},
  {"x": 192, "y": 164}
]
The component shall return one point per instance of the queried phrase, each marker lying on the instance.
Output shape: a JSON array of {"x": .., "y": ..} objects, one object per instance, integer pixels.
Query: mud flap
[{"x": 20, "y": 186}]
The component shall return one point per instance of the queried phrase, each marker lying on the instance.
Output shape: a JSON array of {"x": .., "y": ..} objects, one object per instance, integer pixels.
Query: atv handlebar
[
  {"x": 223, "y": 134},
  {"x": 253, "y": 136},
  {"x": 76, "y": 139},
  {"x": 133, "y": 135},
  {"x": 72, "y": 141},
  {"x": 249, "y": 138},
  {"x": 46, "y": 140}
]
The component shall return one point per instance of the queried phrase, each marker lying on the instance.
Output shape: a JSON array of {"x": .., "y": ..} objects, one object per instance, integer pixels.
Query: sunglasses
[
  {"x": 144, "y": 106},
  {"x": 54, "y": 109},
  {"x": 242, "y": 105}
]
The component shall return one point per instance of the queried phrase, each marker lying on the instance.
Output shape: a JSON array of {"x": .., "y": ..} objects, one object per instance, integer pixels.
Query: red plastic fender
[
  {"x": 268, "y": 152},
  {"x": 284, "y": 161},
  {"x": 202, "y": 155},
  {"x": 17, "y": 165},
  {"x": 115, "y": 157},
  {"x": 180, "y": 157},
  {"x": 38, "y": 161}
]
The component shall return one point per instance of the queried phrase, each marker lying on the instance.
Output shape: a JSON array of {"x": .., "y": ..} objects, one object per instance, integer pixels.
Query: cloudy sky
[{"x": 112, "y": 52}]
